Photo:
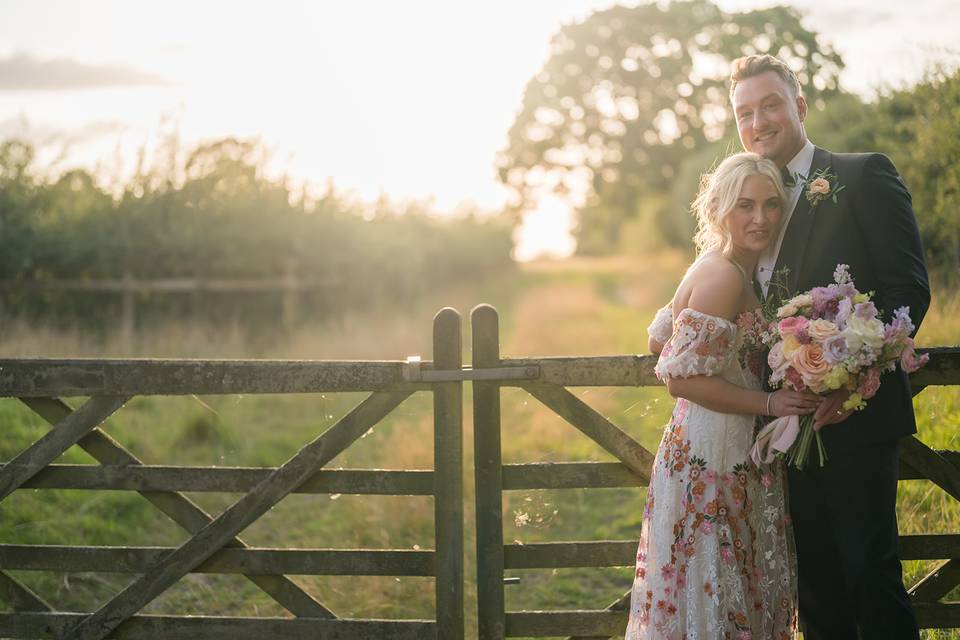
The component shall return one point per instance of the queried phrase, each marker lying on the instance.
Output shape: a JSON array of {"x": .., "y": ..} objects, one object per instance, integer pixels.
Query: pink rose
[
  {"x": 776, "y": 359},
  {"x": 792, "y": 326},
  {"x": 909, "y": 360},
  {"x": 809, "y": 362},
  {"x": 870, "y": 383},
  {"x": 794, "y": 380}
]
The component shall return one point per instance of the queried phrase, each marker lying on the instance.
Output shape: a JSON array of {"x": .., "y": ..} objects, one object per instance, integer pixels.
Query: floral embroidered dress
[{"x": 715, "y": 559}]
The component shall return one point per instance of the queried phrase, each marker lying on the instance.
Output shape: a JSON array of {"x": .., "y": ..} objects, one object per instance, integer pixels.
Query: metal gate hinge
[{"x": 412, "y": 372}]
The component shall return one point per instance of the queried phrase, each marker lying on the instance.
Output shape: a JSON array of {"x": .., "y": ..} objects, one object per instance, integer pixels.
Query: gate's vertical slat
[
  {"x": 489, "y": 500},
  {"x": 448, "y": 476}
]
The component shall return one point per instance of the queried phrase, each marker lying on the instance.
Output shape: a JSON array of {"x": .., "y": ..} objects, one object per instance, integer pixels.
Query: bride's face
[{"x": 755, "y": 218}]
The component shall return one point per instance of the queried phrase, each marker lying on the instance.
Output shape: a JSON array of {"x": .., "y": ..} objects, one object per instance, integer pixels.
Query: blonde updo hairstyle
[{"x": 719, "y": 191}]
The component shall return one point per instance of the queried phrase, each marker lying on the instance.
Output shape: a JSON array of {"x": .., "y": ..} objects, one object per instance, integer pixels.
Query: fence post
[
  {"x": 448, "y": 476},
  {"x": 487, "y": 465},
  {"x": 128, "y": 318}
]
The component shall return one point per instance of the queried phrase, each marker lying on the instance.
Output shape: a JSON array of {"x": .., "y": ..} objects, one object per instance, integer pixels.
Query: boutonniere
[{"x": 820, "y": 185}]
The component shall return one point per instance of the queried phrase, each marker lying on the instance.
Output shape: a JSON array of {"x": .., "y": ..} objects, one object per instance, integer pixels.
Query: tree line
[
  {"x": 213, "y": 213},
  {"x": 631, "y": 107}
]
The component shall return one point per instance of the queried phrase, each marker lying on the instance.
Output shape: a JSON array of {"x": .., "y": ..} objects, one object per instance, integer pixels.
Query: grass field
[{"x": 577, "y": 307}]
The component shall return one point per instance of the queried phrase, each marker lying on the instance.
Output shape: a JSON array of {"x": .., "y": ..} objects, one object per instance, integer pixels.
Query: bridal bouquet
[{"x": 826, "y": 339}]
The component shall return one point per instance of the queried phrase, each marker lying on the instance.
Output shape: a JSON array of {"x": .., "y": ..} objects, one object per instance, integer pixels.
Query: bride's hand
[{"x": 793, "y": 403}]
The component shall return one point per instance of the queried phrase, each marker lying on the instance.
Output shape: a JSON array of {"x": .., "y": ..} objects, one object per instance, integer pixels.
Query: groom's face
[{"x": 769, "y": 117}]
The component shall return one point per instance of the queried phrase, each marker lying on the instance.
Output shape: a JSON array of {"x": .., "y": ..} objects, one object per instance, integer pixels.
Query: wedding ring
[{"x": 839, "y": 413}]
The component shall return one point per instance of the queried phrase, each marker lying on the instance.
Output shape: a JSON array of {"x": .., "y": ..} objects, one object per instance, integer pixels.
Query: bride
[{"x": 715, "y": 558}]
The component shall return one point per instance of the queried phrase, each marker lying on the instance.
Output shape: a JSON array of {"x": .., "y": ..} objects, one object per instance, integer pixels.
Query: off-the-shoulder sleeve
[
  {"x": 701, "y": 344},
  {"x": 662, "y": 326}
]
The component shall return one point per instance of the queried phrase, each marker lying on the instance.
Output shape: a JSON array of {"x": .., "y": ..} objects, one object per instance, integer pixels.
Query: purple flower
[
  {"x": 843, "y": 313},
  {"x": 835, "y": 349},
  {"x": 865, "y": 311},
  {"x": 821, "y": 297}
]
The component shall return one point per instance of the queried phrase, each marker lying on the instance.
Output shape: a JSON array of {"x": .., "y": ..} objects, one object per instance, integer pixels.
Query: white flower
[
  {"x": 863, "y": 332},
  {"x": 802, "y": 300},
  {"x": 841, "y": 274}
]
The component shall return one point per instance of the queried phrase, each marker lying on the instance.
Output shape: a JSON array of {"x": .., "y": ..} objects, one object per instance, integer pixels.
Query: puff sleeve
[
  {"x": 701, "y": 344},
  {"x": 662, "y": 326}
]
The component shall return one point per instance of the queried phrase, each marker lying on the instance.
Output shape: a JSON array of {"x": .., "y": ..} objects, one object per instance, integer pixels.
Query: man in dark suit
[{"x": 844, "y": 513}]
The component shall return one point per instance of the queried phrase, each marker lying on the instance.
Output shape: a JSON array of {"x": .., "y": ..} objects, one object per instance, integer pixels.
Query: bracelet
[{"x": 769, "y": 396}]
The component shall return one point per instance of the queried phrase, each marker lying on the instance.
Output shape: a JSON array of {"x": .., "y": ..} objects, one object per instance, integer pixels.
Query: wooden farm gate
[{"x": 216, "y": 547}]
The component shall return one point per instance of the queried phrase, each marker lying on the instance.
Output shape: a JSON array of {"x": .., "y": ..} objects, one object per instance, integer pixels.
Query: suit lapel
[{"x": 798, "y": 231}]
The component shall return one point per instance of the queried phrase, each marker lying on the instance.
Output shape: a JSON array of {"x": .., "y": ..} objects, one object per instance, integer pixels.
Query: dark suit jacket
[{"x": 872, "y": 229}]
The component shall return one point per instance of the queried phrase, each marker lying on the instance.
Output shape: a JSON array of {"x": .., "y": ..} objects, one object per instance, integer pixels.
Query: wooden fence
[{"x": 214, "y": 545}]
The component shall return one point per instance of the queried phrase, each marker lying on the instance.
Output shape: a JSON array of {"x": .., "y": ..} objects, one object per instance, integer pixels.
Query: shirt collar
[{"x": 802, "y": 162}]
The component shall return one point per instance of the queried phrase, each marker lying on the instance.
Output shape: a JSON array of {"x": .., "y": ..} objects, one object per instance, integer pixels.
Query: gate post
[
  {"x": 489, "y": 482},
  {"x": 448, "y": 476}
]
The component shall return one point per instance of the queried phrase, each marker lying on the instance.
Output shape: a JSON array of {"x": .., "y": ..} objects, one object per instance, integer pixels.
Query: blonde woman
[{"x": 715, "y": 557}]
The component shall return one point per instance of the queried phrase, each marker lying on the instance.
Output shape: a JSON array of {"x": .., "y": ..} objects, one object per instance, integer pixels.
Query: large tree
[{"x": 629, "y": 93}]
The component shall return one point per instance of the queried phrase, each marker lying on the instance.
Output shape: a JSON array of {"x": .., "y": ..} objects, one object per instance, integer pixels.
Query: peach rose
[
  {"x": 820, "y": 185},
  {"x": 821, "y": 329},
  {"x": 809, "y": 362}
]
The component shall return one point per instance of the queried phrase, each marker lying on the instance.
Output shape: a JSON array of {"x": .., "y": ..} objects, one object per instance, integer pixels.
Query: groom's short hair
[{"x": 749, "y": 66}]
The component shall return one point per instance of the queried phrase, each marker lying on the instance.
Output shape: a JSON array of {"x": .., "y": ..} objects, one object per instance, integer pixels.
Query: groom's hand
[{"x": 831, "y": 410}]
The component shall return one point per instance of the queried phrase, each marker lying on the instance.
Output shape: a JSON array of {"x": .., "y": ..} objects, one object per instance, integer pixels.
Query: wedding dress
[{"x": 715, "y": 559}]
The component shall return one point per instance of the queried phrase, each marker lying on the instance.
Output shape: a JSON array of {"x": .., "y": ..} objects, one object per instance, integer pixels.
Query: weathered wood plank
[
  {"x": 179, "y": 508},
  {"x": 154, "y": 627},
  {"x": 448, "y": 476},
  {"x": 929, "y": 546},
  {"x": 321, "y": 562},
  {"x": 591, "y": 371},
  {"x": 931, "y": 464},
  {"x": 937, "y": 616},
  {"x": 937, "y": 583},
  {"x": 543, "y": 624},
  {"x": 569, "y": 475},
  {"x": 596, "y": 427},
  {"x": 238, "y": 517},
  {"x": 620, "y": 604},
  {"x": 52, "y": 444},
  {"x": 20, "y": 597},
  {"x": 79, "y": 377},
  {"x": 227, "y": 479},
  {"x": 485, "y": 328},
  {"x": 550, "y": 555}
]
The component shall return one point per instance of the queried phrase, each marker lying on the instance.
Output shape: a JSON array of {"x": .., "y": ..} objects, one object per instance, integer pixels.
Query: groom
[{"x": 844, "y": 513}]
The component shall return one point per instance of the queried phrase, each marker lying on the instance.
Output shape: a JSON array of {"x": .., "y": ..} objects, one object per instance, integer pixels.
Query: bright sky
[{"x": 410, "y": 99}]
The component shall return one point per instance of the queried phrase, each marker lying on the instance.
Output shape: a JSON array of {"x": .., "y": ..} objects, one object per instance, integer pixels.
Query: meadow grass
[{"x": 578, "y": 307}]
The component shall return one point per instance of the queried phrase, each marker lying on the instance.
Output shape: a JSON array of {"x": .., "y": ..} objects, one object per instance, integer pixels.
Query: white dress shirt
[{"x": 801, "y": 164}]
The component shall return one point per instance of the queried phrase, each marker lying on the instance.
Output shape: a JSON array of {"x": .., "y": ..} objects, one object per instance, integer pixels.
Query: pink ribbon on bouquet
[{"x": 776, "y": 436}]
